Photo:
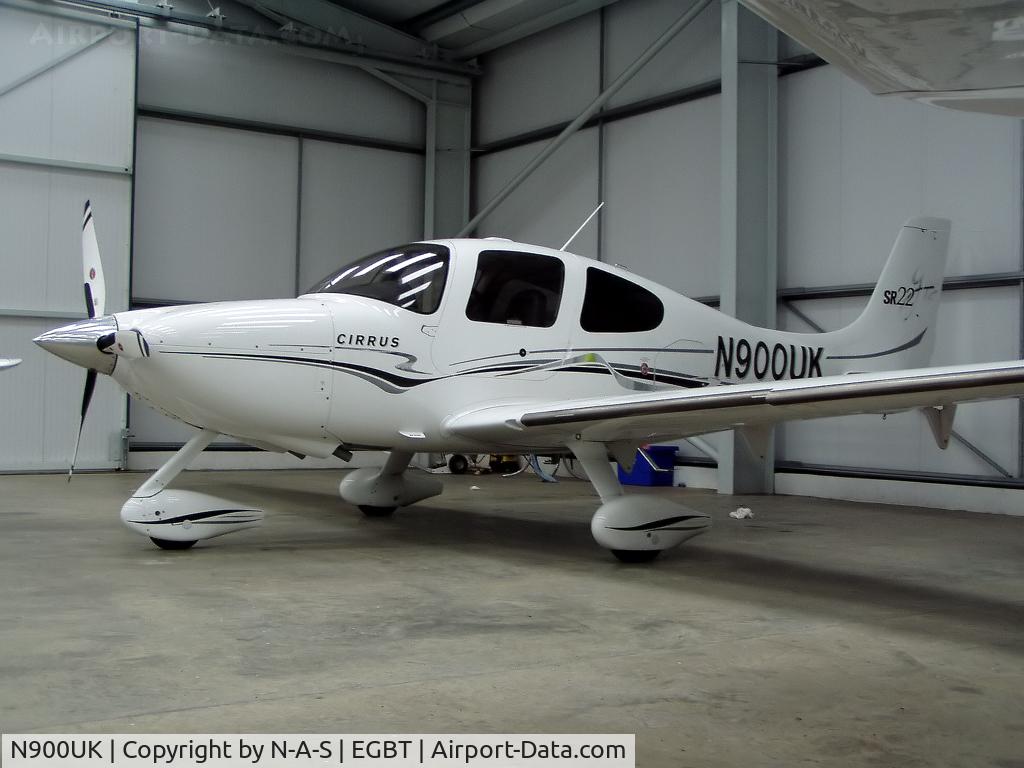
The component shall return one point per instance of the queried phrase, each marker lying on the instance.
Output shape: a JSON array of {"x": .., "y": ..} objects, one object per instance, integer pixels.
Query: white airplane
[
  {"x": 8, "y": 362},
  {"x": 492, "y": 346}
]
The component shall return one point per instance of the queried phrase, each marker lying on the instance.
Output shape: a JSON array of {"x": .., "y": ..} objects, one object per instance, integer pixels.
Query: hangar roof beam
[
  {"x": 425, "y": 62},
  {"x": 345, "y": 25}
]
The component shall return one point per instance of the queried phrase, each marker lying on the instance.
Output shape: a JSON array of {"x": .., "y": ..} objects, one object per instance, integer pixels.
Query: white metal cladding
[
  {"x": 661, "y": 214},
  {"x": 215, "y": 216},
  {"x": 261, "y": 82},
  {"x": 81, "y": 110},
  {"x": 551, "y": 203},
  {"x": 690, "y": 58},
  {"x": 541, "y": 80},
  {"x": 78, "y": 115},
  {"x": 854, "y": 166},
  {"x": 355, "y": 200}
]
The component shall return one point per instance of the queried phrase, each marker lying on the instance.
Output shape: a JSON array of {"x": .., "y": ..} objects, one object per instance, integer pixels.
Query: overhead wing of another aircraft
[
  {"x": 652, "y": 416},
  {"x": 961, "y": 54}
]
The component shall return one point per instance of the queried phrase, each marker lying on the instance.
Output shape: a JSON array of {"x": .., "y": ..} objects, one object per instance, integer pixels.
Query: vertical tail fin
[{"x": 897, "y": 327}]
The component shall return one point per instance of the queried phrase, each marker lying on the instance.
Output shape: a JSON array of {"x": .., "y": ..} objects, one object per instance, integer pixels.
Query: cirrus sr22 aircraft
[{"x": 491, "y": 346}]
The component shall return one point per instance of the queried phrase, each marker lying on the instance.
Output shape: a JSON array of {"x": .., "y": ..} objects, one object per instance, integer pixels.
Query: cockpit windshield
[{"x": 411, "y": 277}]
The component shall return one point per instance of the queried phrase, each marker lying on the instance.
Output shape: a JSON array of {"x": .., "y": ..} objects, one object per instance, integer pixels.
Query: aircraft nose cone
[{"x": 79, "y": 343}]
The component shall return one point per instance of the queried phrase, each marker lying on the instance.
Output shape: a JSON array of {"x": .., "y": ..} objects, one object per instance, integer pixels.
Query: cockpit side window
[
  {"x": 411, "y": 277},
  {"x": 515, "y": 288},
  {"x": 615, "y": 305}
]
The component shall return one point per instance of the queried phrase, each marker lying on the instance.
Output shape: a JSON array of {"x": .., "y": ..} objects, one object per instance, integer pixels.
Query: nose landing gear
[{"x": 175, "y": 519}]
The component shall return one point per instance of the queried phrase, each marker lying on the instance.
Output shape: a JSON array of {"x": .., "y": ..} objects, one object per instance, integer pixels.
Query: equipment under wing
[{"x": 650, "y": 416}]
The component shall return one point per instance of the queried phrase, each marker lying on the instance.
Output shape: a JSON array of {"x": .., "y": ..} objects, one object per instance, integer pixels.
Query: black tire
[
  {"x": 171, "y": 545},
  {"x": 458, "y": 464},
  {"x": 636, "y": 555},
  {"x": 371, "y": 511}
]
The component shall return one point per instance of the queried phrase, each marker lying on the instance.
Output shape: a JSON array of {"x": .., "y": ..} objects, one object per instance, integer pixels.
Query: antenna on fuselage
[{"x": 587, "y": 221}]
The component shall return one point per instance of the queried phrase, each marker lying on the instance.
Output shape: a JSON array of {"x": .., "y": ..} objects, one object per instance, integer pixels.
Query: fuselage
[{"x": 386, "y": 350}]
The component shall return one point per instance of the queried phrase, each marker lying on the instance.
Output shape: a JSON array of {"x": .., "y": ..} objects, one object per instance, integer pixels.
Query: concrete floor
[{"x": 818, "y": 633}]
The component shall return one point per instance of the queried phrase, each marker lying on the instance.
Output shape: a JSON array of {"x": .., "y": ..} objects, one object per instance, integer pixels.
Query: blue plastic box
[{"x": 662, "y": 455}]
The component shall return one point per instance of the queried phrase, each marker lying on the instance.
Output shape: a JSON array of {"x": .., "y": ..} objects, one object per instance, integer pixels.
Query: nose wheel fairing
[{"x": 174, "y": 516}]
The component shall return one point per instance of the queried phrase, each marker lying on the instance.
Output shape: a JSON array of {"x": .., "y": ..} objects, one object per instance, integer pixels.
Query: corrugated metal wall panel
[
  {"x": 41, "y": 401},
  {"x": 538, "y": 81},
  {"x": 552, "y": 203},
  {"x": 691, "y": 58},
  {"x": 41, "y": 218},
  {"x": 662, "y": 196},
  {"x": 216, "y": 215},
  {"x": 854, "y": 167},
  {"x": 355, "y": 201},
  {"x": 263, "y": 83},
  {"x": 81, "y": 111}
]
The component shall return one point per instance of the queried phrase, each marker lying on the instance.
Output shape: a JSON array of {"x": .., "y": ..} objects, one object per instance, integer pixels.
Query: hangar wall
[
  {"x": 852, "y": 168},
  {"x": 67, "y": 103},
  {"x": 259, "y": 172}
]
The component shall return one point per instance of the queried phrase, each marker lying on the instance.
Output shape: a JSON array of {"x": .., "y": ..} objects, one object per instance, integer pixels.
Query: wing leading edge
[{"x": 652, "y": 416}]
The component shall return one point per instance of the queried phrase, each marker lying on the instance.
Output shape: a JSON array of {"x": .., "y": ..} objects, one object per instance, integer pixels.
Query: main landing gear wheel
[
  {"x": 371, "y": 511},
  {"x": 168, "y": 544},
  {"x": 636, "y": 555},
  {"x": 458, "y": 464}
]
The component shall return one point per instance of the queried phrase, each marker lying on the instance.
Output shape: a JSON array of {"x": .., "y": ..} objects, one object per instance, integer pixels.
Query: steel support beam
[
  {"x": 1020, "y": 314},
  {"x": 532, "y": 26},
  {"x": 749, "y": 217},
  {"x": 811, "y": 323},
  {"x": 65, "y": 165},
  {"x": 430, "y": 167},
  {"x": 595, "y": 106},
  {"x": 446, "y": 109}
]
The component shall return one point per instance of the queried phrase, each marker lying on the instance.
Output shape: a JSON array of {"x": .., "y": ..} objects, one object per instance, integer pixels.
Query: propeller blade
[
  {"x": 90, "y": 385},
  {"x": 95, "y": 286}
]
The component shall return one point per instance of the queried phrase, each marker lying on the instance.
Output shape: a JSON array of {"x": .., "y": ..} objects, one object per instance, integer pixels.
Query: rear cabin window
[
  {"x": 615, "y": 305},
  {"x": 411, "y": 277},
  {"x": 515, "y": 288}
]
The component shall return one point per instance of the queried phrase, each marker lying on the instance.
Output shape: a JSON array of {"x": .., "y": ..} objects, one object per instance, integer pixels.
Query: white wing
[
  {"x": 8, "y": 362},
  {"x": 651, "y": 416}
]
